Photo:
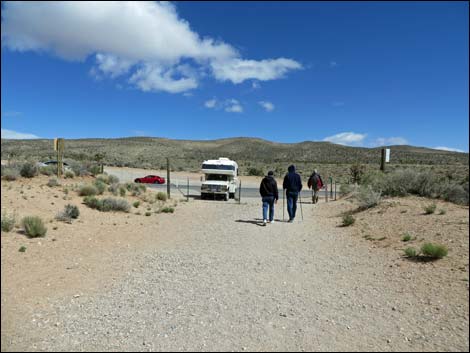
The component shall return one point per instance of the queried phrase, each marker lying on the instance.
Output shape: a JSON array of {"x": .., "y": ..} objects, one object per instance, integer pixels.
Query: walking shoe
[
  {"x": 264, "y": 222},
  {"x": 272, "y": 221},
  {"x": 291, "y": 220}
]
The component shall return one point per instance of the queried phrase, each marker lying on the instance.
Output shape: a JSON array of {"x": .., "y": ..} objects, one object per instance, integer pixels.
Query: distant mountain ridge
[{"x": 134, "y": 151}]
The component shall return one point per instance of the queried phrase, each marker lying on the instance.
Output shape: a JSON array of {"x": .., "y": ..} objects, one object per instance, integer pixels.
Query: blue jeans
[
  {"x": 292, "y": 203},
  {"x": 268, "y": 202}
]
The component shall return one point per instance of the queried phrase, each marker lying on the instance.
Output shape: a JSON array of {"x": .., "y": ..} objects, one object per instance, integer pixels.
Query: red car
[{"x": 152, "y": 179}]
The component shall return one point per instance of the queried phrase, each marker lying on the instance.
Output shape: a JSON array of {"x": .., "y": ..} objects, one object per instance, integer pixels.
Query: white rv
[{"x": 220, "y": 178}]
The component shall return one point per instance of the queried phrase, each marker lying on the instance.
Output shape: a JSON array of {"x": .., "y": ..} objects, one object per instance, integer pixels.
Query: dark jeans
[
  {"x": 292, "y": 203},
  {"x": 268, "y": 202}
]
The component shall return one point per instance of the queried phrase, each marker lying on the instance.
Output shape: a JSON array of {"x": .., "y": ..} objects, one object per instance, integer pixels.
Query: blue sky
[{"x": 355, "y": 73}]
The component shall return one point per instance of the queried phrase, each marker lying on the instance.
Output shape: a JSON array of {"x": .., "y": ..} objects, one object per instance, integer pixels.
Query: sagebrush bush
[
  {"x": 10, "y": 174},
  {"x": 112, "y": 179},
  {"x": 69, "y": 174},
  {"x": 29, "y": 170},
  {"x": 34, "y": 226},
  {"x": 94, "y": 169},
  {"x": 48, "y": 170},
  {"x": 53, "y": 182},
  {"x": 113, "y": 188},
  {"x": 410, "y": 252},
  {"x": 148, "y": 213},
  {"x": 136, "y": 204},
  {"x": 112, "y": 204},
  {"x": 434, "y": 251},
  {"x": 255, "y": 171},
  {"x": 161, "y": 196},
  {"x": 8, "y": 222},
  {"x": 455, "y": 193},
  {"x": 430, "y": 209},
  {"x": 91, "y": 201},
  {"x": 122, "y": 191},
  {"x": 167, "y": 210},
  {"x": 87, "y": 190},
  {"x": 348, "y": 220},
  {"x": 367, "y": 197},
  {"x": 100, "y": 186},
  {"x": 103, "y": 177},
  {"x": 406, "y": 237},
  {"x": 70, "y": 212}
]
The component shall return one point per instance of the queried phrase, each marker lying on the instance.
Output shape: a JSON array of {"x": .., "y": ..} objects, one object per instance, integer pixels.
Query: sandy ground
[{"x": 209, "y": 277}]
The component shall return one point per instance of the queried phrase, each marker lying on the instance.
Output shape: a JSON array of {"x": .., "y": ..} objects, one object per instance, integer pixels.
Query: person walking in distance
[
  {"x": 316, "y": 183},
  {"x": 293, "y": 185},
  {"x": 269, "y": 195}
]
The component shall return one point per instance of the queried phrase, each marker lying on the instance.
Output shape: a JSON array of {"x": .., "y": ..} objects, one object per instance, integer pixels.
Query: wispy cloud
[
  {"x": 15, "y": 135},
  {"x": 11, "y": 114},
  {"x": 388, "y": 141},
  {"x": 211, "y": 103},
  {"x": 131, "y": 40},
  {"x": 448, "y": 149},
  {"x": 233, "y": 106},
  {"x": 333, "y": 63},
  {"x": 346, "y": 138},
  {"x": 268, "y": 106},
  {"x": 255, "y": 85}
]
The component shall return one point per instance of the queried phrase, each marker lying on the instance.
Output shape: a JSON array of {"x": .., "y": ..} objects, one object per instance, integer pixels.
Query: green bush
[
  {"x": 69, "y": 174},
  {"x": 70, "y": 212},
  {"x": 442, "y": 211},
  {"x": 22, "y": 248},
  {"x": 112, "y": 204},
  {"x": 29, "y": 170},
  {"x": 92, "y": 202},
  {"x": 434, "y": 251},
  {"x": 122, "y": 191},
  {"x": 167, "y": 210},
  {"x": 410, "y": 252},
  {"x": 430, "y": 209},
  {"x": 53, "y": 182},
  {"x": 112, "y": 179},
  {"x": 94, "y": 169},
  {"x": 33, "y": 226},
  {"x": 100, "y": 186},
  {"x": 148, "y": 213},
  {"x": 255, "y": 171},
  {"x": 455, "y": 193},
  {"x": 48, "y": 170},
  {"x": 10, "y": 174},
  {"x": 87, "y": 190},
  {"x": 113, "y": 188},
  {"x": 8, "y": 222},
  {"x": 103, "y": 177},
  {"x": 136, "y": 204},
  {"x": 161, "y": 196},
  {"x": 348, "y": 220},
  {"x": 406, "y": 237},
  {"x": 367, "y": 197}
]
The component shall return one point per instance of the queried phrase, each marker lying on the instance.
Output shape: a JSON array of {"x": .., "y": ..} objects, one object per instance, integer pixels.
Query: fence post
[
  {"x": 168, "y": 177},
  {"x": 326, "y": 192},
  {"x": 382, "y": 161},
  {"x": 331, "y": 188},
  {"x": 187, "y": 193},
  {"x": 240, "y": 192},
  {"x": 335, "y": 190}
]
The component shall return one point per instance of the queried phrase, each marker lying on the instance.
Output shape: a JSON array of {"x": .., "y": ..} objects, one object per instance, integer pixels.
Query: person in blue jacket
[{"x": 293, "y": 185}]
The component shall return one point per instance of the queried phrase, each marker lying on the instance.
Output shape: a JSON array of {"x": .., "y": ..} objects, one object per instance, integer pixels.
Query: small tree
[{"x": 356, "y": 172}]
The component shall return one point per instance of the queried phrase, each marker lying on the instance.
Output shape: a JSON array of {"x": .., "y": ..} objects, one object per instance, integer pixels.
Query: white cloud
[
  {"x": 333, "y": 64},
  {"x": 210, "y": 103},
  {"x": 447, "y": 149},
  {"x": 268, "y": 106},
  {"x": 346, "y": 138},
  {"x": 255, "y": 85},
  {"x": 389, "y": 141},
  {"x": 10, "y": 134},
  {"x": 233, "y": 106},
  {"x": 147, "y": 41},
  {"x": 238, "y": 70}
]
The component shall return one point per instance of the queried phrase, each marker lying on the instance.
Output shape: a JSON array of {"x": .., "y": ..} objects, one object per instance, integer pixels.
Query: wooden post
[
  {"x": 326, "y": 192},
  {"x": 240, "y": 192},
  {"x": 59, "y": 147},
  {"x": 335, "y": 190},
  {"x": 168, "y": 177},
  {"x": 187, "y": 193},
  {"x": 382, "y": 161},
  {"x": 331, "y": 188}
]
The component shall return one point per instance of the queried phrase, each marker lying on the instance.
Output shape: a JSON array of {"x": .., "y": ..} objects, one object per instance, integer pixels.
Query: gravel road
[{"x": 218, "y": 281}]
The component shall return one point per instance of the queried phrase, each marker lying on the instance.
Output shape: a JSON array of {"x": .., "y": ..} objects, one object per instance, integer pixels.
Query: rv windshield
[
  {"x": 219, "y": 177},
  {"x": 218, "y": 166}
]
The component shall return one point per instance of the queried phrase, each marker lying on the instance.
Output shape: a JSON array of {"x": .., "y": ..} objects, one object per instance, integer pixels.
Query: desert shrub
[
  {"x": 100, "y": 186},
  {"x": 434, "y": 251},
  {"x": 348, "y": 220},
  {"x": 94, "y": 169},
  {"x": 442, "y": 211},
  {"x": 113, "y": 188},
  {"x": 161, "y": 196},
  {"x": 87, "y": 190},
  {"x": 397, "y": 183},
  {"x": 103, "y": 178},
  {"x": 22, "y": 248},
  {"x": 70, "y": 212},
  {"x": 91, "y": 201},
  {"x": 34, "y": 226},
  {"x": 112, "y": 204},
  {"x": 112, "y": 179},
  {"x": 79, "y": 169},
  {"x": 135, "y": 189},
  {"x": 430, "y": 209},
  {"x": 122, "y": 191},
  {"x": 136, "y": 204},
  {"x": 69, "y": 174},
  {"x": 367, "y": 197},
  {"x": 255, "y": 171},
  {"x": 29, "y": 170},
  {"x": 455, "y": 193},
  {"x": 8, "y": 222},
  {"x": 406, "y": 237},
  {"x": 167, "y": 209},
  {"x": 410, "y": 252},
  {"x": 10, "y": 174},
  {"x": 148, "y": 213},
  {"x": 356, "y": 171},
  {"x": 53, "y": 182},
  {"x": 48, "y": 170}
]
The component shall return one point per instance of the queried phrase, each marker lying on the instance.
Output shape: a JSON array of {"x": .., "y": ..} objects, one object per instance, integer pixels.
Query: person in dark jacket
[
  {"x": 293, "y": 185},
  {"x": 316, "y": 183},
  {"x": 270, "y": 195}
]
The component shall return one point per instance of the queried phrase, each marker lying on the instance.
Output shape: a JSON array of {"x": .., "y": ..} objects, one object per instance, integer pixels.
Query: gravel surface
[{"x": 218, "y": 281}]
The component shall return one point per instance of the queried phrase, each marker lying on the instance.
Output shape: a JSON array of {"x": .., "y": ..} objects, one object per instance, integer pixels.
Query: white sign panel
[{"x": 387, "y": 155}]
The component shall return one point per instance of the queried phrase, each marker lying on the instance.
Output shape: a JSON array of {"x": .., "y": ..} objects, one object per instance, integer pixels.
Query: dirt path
[{"x": 209, "y": 278}]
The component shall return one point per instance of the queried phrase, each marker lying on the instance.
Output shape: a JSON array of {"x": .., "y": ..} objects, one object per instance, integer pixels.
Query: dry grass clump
[{"x": 34, "y": 226}]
